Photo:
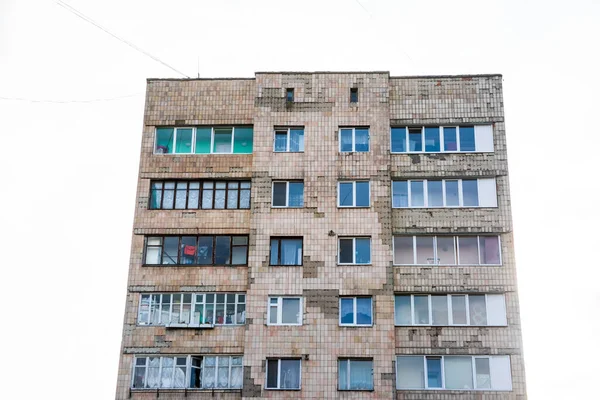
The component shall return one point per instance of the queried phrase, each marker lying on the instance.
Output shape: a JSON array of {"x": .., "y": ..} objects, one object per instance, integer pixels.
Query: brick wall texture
[{"x": 322, "y": 106}]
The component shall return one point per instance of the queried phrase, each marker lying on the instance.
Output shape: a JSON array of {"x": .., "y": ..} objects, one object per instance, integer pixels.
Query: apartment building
[{"x": 323, "y": 235}]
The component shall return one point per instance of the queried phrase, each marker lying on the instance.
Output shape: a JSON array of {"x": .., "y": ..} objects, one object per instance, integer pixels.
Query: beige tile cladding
[{"x": 322, "y": 105}]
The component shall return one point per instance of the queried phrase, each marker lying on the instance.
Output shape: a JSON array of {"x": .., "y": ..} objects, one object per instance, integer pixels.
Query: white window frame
[
  {"x": 194, "y": 132},
  {"x": 197, "y": 299},
  {"x": 287, "y": 194},
  {"x": 449, "y": 308},
  {"x": 288, "y": 139},
  {"x": 188, "y": 370},
  {"x": 279, "y": 308},
  {"x": 354, "y": 250},
  {"x": 354, "y": 311},
  {"x": 279, "y": 373},
  {"x": 491, "y": 358},
  {"x": 353, "y": 193},
  {"x": 349, "y": 360},
  {"x": 354, "y": 139},
  {"x": 481, "y": 144},
  {"x": 456, "y": 250},
  {"x": 480, "y": 194}
]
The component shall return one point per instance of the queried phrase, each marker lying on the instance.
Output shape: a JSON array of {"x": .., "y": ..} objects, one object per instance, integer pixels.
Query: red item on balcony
[{"x": 189, "y": 250}]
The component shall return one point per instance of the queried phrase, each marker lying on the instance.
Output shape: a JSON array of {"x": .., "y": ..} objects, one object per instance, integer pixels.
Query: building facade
[{"x": 320, "y": 236}]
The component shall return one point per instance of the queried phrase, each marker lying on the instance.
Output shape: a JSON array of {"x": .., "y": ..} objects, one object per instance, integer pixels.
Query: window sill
[
  {"x": 285, "y": 265},
  {"x": 282, "y": 390},
  {"x": 354, "y": 265},
  {"x": 284, "y": 152},
  {"x": 351, "y": 207},
  {"x": 284, "y": 325},
  {"x": 355, "y": 326},
  {"x": 194, "y": 265},
  {"x": 356, "y": 390}
]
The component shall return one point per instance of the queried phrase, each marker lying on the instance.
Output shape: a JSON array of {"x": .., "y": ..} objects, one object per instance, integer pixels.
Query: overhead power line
[{"x": 97, "y": 25}]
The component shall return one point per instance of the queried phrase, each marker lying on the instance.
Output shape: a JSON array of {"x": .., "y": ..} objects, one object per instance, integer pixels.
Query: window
[
  {"x": 453, "y": 373},
  {"x": 283, "y": 374},
  {"x": 354, "y": 250},
  {"x": 194, "y": 195},
  {"x": 353, "y": 95},
  {"x": 288, "y": 194},
  {"x": 442, "y": 139},
  {"x": 192, "y": 309},
  {"x": 289, "y": 140},
  {"x": 447, "y": 250},
  {"x": 356, "y": 311},
  {"x": 353, "y": 194},
  {"x": 191, "y": 372},
  {"x": 355, "y": 374},
  {"x": 196, "y": 250},
  {"x": 286, "y": 251},
  {"x": 354, "y": 140},
  {"x": 204, "y": 140},
  {"x": 289, "y": 95},
  {"x": 450, "y": 309},
  {"x": 444, "y": 193},
  {"x": 285, "y": 311}
]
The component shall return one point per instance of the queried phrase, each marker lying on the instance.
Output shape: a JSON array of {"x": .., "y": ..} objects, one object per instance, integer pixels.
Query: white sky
[{"x": 69, "y": 170}]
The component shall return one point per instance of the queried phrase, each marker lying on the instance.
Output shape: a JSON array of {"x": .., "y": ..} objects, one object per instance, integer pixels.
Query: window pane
[
  {"x": 279, "y": 191},
  {"x": 203, "y": 140},
  {"x": 482, "y": 373},
  {"x": 434, "y": 372},
  {"x": 237, "y": 377},
  {"x": 363, "y": 311},
  {"x": 467, "y": 138},
  {"x": 223, "y": 248},
  {"x": 459, "y": 309},
  {"x": 291, "y": 252},
  {"x": 181, "y": 195},
  {"x": 445, "y": 250},
  {"x": 296, "y": 139},
  {"x": 363, "y": 250},
  {"x": 170, "y": 250},
  {"x": 470, "y": 195},
  {"x": 343, "y": 374},
  {"x": 417, "y": 198},
  {"x": 272, "y": 368},
  {"x": 361, "y": 140},
  {"x": 205, "y": 250},
  {"x": 164, "y": 140},
  {"x": 346, "y": 140},
  {"x": 153, "y": 255},
  {"x": 290, "y": 374},
  {"x": 207, "y": 195},
  {"x": 274, "y": 252},
  {"x": 347, "y": 311},
  {"x": 450, "y": 143},
  {"x": 346, "y": 250},
  {"x": 155, "y": 196},
  {"x": 219, "y": 197},
  {"x": 415, "y": 140},
  {"x": 184, "y": 141},
  {"x": 153, "y": 371},
  {"x": 296, "y": 195},
  {"x": 273, "y": 313},
  {"x": 452, "y": 194},
  {"x": 458, "y": 372},
  {"x": 403, "y": 250},
  {"x": 425, "y": 250},
  {"x": 410, "y": 372},
  {"x": 166, "y": 378},
  {"x": 439, "y": 310},
  {"x": 489, "y": 250},
  {"x": 281, "y": 141},
  {"x": 242, "y": 141},
  {"x": 362, "y": 194},
  {"x": 168, "y": 195},
  {"x": 402, "y": 311},
  {"x": 239, "y": 255},
  {"x": 434, "y": 194},
  {"x": 467, "y": 250},
  {"x": 187, "y": 253},
  {"x": 290, "y": 313},
  {"x": 345, "y": 194},
  {"x": 139, "y": 377},
  {"x": 477, "y": 310},
  {"x": 361, "y": 375},
  {"x": 421, "y": 310},
  {"x": 432, "y": 139},
  {"x": 398, "y": 140},
  {"x": 245, "y": 198},
  {"x": 194, "y": 195},
  {"x": 400, "y": 194},
  {"x": 222, "y": 141}
]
